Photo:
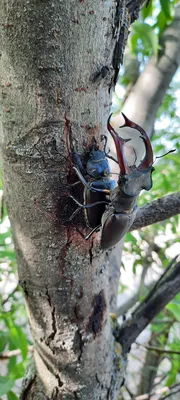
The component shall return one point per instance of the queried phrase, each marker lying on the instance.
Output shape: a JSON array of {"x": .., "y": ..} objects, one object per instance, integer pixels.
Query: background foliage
[{"x": 157, "y": 241}]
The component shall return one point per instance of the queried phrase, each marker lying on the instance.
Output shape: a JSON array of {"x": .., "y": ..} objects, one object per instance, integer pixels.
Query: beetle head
[
  {"x": 97, "y": 164},
  {"x": 132, "y": 179}
]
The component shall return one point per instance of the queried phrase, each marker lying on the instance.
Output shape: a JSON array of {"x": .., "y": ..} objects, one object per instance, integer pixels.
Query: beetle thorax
[
  {"x": 137, "y": 180},
  {"x": 121, "y": 202}
]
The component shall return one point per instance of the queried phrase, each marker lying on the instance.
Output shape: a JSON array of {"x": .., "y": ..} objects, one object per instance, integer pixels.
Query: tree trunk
[{"x": 58, "y": 65}]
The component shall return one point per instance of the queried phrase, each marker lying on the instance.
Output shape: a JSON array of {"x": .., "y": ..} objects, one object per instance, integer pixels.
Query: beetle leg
[
  {"x": 81, "y": 177},
  {"x": 96, "y": 229},
  {"x": 88, "y": 205},
  {"x": 77, "y": 161},
  {"x": 89, "y": 187},
  {"x": 74, "y": 213},
  {"x": 74, "y": 184}
]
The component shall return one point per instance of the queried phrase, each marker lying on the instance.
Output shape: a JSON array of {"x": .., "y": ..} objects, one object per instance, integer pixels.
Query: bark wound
[{"x": 95, "y": 322}]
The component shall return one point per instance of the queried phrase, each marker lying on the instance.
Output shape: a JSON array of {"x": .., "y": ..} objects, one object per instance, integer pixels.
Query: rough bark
[{"x": 58, "y": 63}]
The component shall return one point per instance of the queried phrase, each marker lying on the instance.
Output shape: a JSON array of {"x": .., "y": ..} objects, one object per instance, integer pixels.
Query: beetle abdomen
[{"x": 115, "y": 226}]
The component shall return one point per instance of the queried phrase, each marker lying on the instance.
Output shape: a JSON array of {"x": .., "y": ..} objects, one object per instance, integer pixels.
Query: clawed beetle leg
[{"x": 89, "y": 205}]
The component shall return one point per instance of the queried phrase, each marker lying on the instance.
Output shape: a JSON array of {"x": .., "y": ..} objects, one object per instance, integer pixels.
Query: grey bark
[{"x": 55, "y": 99}]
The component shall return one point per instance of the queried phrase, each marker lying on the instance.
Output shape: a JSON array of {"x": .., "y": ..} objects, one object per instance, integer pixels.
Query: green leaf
[
  {"x": 175, "y": 309},
  {"x": 147, "y": 35},
  {"x": 133, "y": 42},
  {"x": 4, "y": 337},
  {"x": 12, "y": 364},
  {"x": 18, "y": 371},
  {"x": 12, "y": 396},
  {"x": 23, "y": 343},
  {"x": 6, "y": 384},
  {"x": 147, "y": 11},
  {"x": 130, "y": 238},
  {"x": 167, "y": 8},
  {"x": 161, "y": 22}
]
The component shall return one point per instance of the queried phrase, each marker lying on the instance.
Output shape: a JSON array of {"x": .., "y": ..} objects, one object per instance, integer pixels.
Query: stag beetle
[
  {"x": 121, "y": 212},
  {"x": 97, "y": 186},
  {"x": 117, "y": 216}
]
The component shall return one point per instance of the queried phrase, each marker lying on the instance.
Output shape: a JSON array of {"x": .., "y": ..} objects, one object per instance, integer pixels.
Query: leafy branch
[{"x": 164, "y": 291}]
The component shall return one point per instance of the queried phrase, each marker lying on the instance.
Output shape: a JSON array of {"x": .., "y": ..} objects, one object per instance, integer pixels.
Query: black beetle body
[{"x": 97, "y": 186}]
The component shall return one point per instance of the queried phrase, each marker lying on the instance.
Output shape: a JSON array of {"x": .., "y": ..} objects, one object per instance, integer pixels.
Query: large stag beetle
[{"x": 116, "y": 204}]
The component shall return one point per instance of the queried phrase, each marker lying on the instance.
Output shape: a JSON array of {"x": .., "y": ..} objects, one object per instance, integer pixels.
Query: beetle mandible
[{"x": 120, "y": 214}]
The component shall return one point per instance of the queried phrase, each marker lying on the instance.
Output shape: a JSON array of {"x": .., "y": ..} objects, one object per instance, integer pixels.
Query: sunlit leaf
[
  {"x": 167, "y": 8},
  {"x": 175, "y": 309},
  {"x": 147, "y": 35},
  {"x": 18, "y": 371},
  {"x": 147, "y": 10},
  {"x": 4, "y": 337},
  {"x": 6, "y": 384},
  {"x": 130, "y": 238},
  {"x": 23, "y": 344},
  {"x": 12, "y": 396}
]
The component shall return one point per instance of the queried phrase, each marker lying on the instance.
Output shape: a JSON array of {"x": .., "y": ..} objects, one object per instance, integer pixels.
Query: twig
[
  {"x": 10, "y": 294},
  {"x": 129, "y": 392},
  {"x": 8, "y": 354},
  {"x": 146, "y": 396},
  {"x": 132, "y": 301},
  {"x": 158, "y": 349},
  {"x": 149, "y": 308},
  {"x": 159, "y": 282},
  {"x": 170, "y": 394}
]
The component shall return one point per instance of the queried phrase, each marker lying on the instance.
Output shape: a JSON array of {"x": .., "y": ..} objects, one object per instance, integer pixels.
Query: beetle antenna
[{"x": 165, "y": 154}]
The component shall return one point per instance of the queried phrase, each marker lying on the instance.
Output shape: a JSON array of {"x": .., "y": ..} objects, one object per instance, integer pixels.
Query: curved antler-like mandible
[
  {"x": 148, "y": 158},
  {"x": 119, "y": 143}
]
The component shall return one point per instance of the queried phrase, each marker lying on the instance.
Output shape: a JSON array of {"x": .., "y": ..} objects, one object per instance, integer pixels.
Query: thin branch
[
  {"x": 123, "y": 309},
  {"x": 8, "y": 354},
  {"x": 170, "y": 394},
  {"x": 10, "y": 294},
  {"x": 158, "y": 283},
  {"x": 156, "y": 211},
  {"x": 159, "y": 391},
  {"x": 129, "y": 392},
  {"x": 160, "y": 280},
  {"x": 149, "y": 308},
  {"x": 158, "y": 349}
]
